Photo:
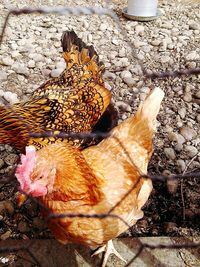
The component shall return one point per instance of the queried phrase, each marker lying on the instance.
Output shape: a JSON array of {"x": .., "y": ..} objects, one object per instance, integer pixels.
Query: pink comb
[{"x": 24, "y": 169}]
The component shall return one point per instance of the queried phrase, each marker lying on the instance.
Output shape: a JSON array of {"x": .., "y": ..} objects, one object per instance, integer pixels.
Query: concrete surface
[{"x": 52, "y": 254}]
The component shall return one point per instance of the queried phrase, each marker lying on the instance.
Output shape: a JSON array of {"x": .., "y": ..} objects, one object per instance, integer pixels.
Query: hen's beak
[{"x": 21, "y": 198}]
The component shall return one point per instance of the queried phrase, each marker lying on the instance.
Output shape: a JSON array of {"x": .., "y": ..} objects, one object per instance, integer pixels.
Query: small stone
[
  {"x": 3, "y": 75},
  {"x": 46, "y": 72},
  {"x": 129, "y": 81},
  {"x": 124, "y": 117},
  {"x": 109, "y": 75},
  {"x": 56, "y": 73},
  {"x": 188, "y": 133},
  {"x": 170, "y": 227},
  {"x": 6, "y": 235},
  {"x": 20, "y": 69},
  {"x": 126, "y": 74},
  {"x": 176, "y": 137},
  {"x": 124, "y": 62},
  {"x": 115, "y": 41},
  {"x": 178, "y": 147},
  {"x": 198, "y": 117},
  {"x": 90, "y": 38},
  {"x": 12, "y": 98},
  {"x": 165, "y": 59},
  {"x": 31, "y": 64},
  {"x": 191, "y": 151},
  {"x": 181, "y": 164},
  {"x": 39, "y": 223},
  {"x": 169, "y": 152},
  {"x": 139, "y": 29},
  {"x": 155, "y": 42},
  {"x": 172, "y": 186},
  {"x": 167, "y": 25},
  {"x": 23, "y": 227},
  {"x": 9, "y": 206},
  {"x": 193, "y": 25},
  {"x": 182, "y": 112},
  {"x": 187, "y": 97},
  {"x": 123, "y": 106},
  {"x": 11, "y": 159},
  {"x": 122, "y": 52},
  {"x": 103, "y": 27},
  {"x": 197, "y": 95},
  {"x": 15, "y": 54},
  {"x": 6, "y": 205},
  {"x": 143, "y": 225},
  {"x": 38, "y": 57},
  {"x": 1, "y": 163},
  {"x": 85, "y": 24},
  {"x": 192, "y": 56},
  {"x": 61, "y": 65},
  {"x": 8, "y": 61}
]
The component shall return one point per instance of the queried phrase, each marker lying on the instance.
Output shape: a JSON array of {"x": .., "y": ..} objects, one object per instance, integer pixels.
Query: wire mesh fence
[{"x": 146, "y": 74}]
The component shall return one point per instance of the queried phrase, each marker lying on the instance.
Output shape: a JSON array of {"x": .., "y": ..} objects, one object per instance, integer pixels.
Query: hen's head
[{"x": 35, "y": 175}]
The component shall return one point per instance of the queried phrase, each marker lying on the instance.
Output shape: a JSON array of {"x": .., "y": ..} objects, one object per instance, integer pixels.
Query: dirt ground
[{"x": 168, "y": 43}]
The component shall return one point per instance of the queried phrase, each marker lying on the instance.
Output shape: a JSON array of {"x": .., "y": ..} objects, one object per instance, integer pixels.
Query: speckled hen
[{"x": 73, "y": 102}]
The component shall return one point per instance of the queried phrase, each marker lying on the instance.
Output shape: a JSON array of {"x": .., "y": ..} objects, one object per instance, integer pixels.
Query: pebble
[
  {"x": 6, "y": 205},
  {"x": 197, "y": 95},
  {"x": 192, "y": 56},
  {"x": 167, "y": 25},
  {"x": 31, "y": 64},
  {"x": 5, "y": 235},
  {"x": 20, "y": 69},
  {"x": 109, "y": 75},
  {"x": 187, "y": 97},
  {"x": 129, "y": 81},
  {"x": 170, "y": 227},
  {"x": 11, "y": 159},
  {"x": 191, "y": 151},
  {"x": 103, "y": 27},
  {"x": 176, "y": 137},
  {"x": 182, "y": 112},
  {"x": 1, "y": 163},
  {"x": 56, "y": 73},
  {"x": 8, "y": 61},
  {"x": 123, "y": 106},
  {"x": 23, "y": 227},
  {"x": 193, "y": 25},
  {"x": 126, "y": 74},
  {"x": 169, "y": 152},
  {"x": 139, "y": 29},
  {"x": 181, "y": 164},
  {"x": 172, "y": 186},
  {"x": 155, "y": 42},
  {"x": 115, "y": 41},
  {"x": 12, "y": 98},
  {"x": 3, "y": 75},
  {"x": 39, "y": 223},
  {"x": 188, "y": 133},
  {"x": 61, "y": 65},
  {"x": 46, "y": 72}
]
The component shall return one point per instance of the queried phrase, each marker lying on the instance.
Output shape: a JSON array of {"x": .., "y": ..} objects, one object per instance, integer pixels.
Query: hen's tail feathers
[
  {"x": 77, "y": 52},
  {"x": 140, "y": 128}
]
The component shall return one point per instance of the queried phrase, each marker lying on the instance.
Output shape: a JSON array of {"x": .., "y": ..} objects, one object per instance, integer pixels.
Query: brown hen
[
  {"x": 73, "y": 102},
  {"x": 95, "y": 180}
]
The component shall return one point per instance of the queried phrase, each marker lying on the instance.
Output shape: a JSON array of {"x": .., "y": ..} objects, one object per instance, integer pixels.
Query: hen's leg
[{"x": 107, "y": 249}]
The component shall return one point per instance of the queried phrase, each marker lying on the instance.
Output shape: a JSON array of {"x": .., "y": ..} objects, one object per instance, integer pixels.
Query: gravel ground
[{"x": 31, "y": 53}]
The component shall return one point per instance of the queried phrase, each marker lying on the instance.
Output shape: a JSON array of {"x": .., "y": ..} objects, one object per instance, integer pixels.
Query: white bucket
[{"x": 142, "y": 8}]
